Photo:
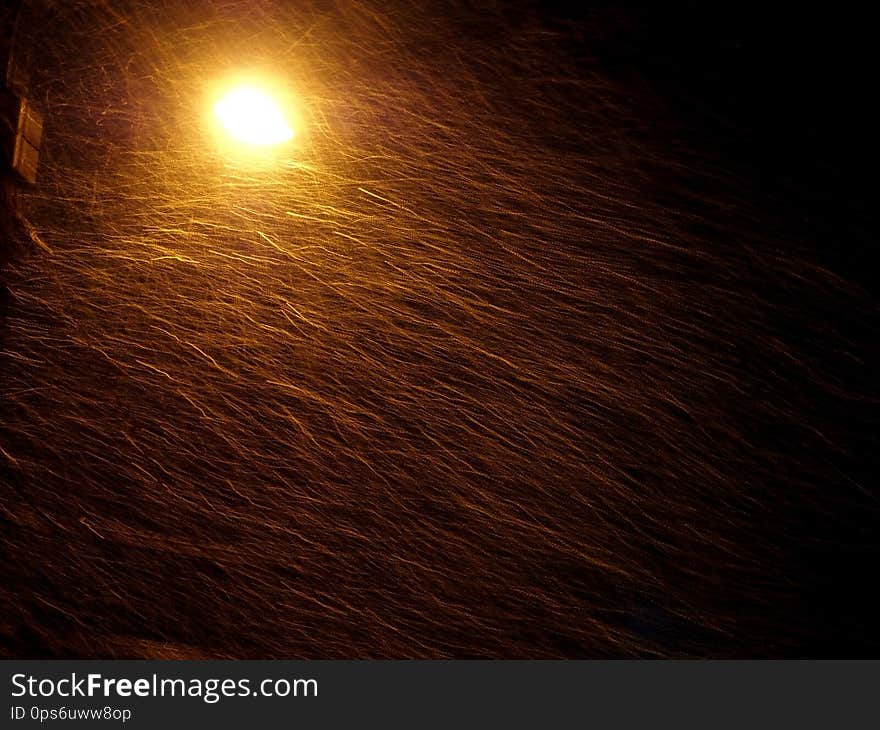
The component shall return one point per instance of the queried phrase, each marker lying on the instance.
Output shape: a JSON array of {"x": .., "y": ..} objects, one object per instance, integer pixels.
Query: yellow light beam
[{"x": 251, "y": 116}]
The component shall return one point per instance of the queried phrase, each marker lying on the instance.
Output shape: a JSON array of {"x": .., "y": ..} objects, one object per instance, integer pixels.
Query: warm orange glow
[{"x": 251, "y": 116}]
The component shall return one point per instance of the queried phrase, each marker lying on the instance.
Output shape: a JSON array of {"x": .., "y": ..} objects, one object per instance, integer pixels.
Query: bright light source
[{"x": 250, "y": 116}]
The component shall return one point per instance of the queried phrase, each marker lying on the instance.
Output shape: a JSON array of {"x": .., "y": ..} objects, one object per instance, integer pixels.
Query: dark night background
[{"x": 752, "y": 136}]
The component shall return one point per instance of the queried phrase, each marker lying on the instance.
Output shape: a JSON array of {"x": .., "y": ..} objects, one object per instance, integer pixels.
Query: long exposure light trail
[{"x": 488, "y": 360}]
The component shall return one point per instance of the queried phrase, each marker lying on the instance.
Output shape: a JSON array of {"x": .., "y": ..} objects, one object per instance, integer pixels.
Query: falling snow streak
[{"x": 486, "y": 364}]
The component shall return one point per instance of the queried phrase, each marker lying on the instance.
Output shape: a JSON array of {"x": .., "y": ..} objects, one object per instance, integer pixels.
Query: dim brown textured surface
[{"x": 496, "y": 363}]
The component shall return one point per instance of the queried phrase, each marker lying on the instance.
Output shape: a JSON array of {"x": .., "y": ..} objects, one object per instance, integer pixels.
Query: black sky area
[{"x": 781, "y": 94}]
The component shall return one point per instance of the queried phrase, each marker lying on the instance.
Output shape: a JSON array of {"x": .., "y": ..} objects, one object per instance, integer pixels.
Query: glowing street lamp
[{"x": 250, "y": 116}]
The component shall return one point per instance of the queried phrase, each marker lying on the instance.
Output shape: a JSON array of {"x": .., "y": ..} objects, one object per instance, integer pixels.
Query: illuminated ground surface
[{"x": 509, "y": 352}]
